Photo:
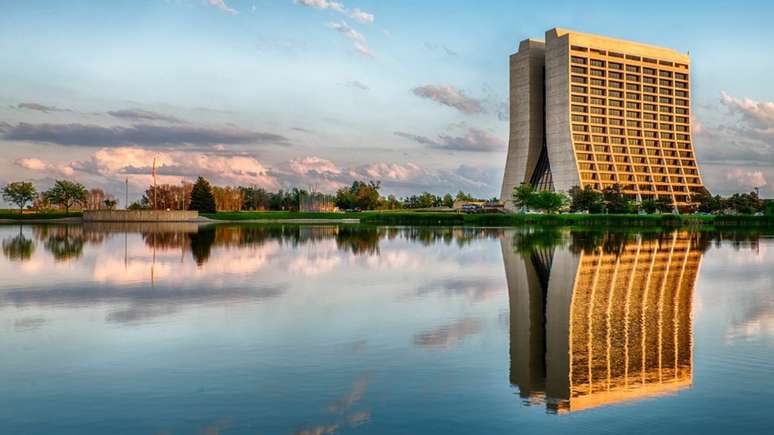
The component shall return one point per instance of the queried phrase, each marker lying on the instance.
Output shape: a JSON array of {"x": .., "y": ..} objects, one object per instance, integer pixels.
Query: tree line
[
  {"x": 612, "y": 199},
  {"x": 64, "y": 194}
]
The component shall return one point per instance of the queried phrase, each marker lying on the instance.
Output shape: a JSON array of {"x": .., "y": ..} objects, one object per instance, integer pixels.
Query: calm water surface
[{"x": 177, "y": 329}]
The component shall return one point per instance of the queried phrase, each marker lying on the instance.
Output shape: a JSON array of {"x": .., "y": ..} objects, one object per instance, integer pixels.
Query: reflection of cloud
[
  {"x": 448, "y": 335},
  {"x": 144, "y": 302},
  {"x": 359, "y": 418},
  {"x": 28, "y": 324},
  {"x": 758, "y": 324},
  {"x": 318, "y": 430},
  {"x": 475, "y": 289},
  {"x": 356, "y": 393}
]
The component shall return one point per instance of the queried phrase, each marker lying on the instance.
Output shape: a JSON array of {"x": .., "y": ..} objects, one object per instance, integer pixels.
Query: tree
[
  {"x": 615, "y": 200},
  {"x": 523, "y": 195},
  {"x": 202, "y": 199},
  {"x": 548, "y": 202},
  {"x": 664, "y": 204},
  {"x": 66, "y": 194},
  {"x": 110, "y": 203},
  {"x": 361, "y": 195},
  {"x": 462, "y": 196},
  {"x": 586, "y": 199},
  {"x": 19, "y": 193},
  {"x": 448, "y": 200},
  {"x": 648, "y": 205}
]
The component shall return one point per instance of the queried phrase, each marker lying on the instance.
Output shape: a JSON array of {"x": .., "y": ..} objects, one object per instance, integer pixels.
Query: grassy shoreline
[
  {"x": 460, "y": 219},
  {"x": 403, "y": 217}
]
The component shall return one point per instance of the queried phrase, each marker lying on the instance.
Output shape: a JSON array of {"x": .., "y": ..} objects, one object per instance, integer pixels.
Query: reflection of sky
[{"x": 277, "y": 338}]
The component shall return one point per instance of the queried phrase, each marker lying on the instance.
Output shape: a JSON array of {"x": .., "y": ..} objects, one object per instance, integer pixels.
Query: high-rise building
[{"x": 594, "y": 111}]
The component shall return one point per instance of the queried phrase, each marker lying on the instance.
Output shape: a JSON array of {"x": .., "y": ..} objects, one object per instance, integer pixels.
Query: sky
[{"x": 317, "y": 93}]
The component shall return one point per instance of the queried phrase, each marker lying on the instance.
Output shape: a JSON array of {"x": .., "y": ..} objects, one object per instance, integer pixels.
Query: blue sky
[{"x": 316, "y": 93}]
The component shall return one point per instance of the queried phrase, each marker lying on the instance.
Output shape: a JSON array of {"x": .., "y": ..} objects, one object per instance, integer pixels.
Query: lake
[{"x": 288, "y": 329}]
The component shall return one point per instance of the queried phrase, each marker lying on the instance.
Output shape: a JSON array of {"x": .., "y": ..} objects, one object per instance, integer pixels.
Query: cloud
[
  {"x": 362, "y": 16},
  {"x": 473, "y": 139},
  {"x": 756, "y": 114},
  {"x": 38, "y": 165},
  {"x": 357, "y": 38},
  {"x": 746, "y": 178},
  {"x": 450, "y": 96},
  {"x": 313, "y": 165},
  {"x": 357, "y": 85},
  {"x": 171, "y": 166},
  {"x": 139, "y": 134},
  {"x": 139, "y": 115},
  {"x": 441, "y": 48},
  {"x": 221, "y": 4},
  {"x": 355, "y": 14},
  {"x": 40, "y": 107}
]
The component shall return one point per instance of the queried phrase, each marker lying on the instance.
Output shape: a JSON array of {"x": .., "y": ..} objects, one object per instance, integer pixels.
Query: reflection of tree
[
  {"x": 201, "y": 244},
  {"x": 18, "y": 248},
  {"x": 544, "y": 238},
  {"x": 359, "y": 239},
  {"x": 64, "y": 243}
]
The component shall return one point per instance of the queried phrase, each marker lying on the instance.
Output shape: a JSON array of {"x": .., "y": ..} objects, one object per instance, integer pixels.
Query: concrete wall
[
  {"x": 526, "y": 116},
  {"x": 561, "y": 154},
  {"x": 140, "y": 216}
]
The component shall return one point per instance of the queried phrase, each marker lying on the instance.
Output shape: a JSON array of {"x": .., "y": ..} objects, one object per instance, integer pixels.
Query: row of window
[
  {"x": 653, "y": 134},
  {"x": 629, "y": 123},
  {"x": 619, "y": 84},
  {"x": 634, "y": 106},
  {"x": 624, "y": 149},
  {"x": 579, "y": 137},
  {"x": 632, "y": 93},
  {"x": 630, "y": 114},
  {"x": 677, "y": 182},
  {"x": 623, "y": 66}
]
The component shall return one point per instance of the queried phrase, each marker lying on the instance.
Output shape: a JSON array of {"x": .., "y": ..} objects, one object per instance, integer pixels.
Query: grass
[
  {"x": 272, "y": 215},
  {"x": 404, "y": 217},
  {"x": 14, "y": 215}
]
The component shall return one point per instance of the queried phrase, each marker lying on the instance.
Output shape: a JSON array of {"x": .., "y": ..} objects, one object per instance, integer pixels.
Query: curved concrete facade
[{"x": 605, "y": 112}]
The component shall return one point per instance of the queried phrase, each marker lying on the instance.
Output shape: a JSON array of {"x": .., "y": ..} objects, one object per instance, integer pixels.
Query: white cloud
[
  {"x": 38, "y": 165},
  {"x": 356, "y": 14},
  {"x": 357, "y": 38},
  {"x": 450, "y": 96},
  {"x": 221, "y": 4},
  {"x": 362, "y": 16},
  {"x": 746, "y": 178},
  {"x": 312, "y": 165}
]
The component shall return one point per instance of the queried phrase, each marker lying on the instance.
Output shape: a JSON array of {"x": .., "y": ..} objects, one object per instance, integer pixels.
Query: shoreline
[{"x": 449, "y": 219}]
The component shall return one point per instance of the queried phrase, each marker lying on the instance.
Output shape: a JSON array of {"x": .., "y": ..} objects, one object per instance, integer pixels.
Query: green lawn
[
  {"x": 14, "y": 214},
  {"x": 404, "y": 217}
]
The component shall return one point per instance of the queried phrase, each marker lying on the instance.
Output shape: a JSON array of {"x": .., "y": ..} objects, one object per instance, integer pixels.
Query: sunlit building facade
[
  {"x": 588, "y": 110},
  {"x": 597, "y": 324}
]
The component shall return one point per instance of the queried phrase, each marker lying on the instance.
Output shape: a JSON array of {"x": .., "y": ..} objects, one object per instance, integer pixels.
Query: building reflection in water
[{"x": 596, "y": 320}]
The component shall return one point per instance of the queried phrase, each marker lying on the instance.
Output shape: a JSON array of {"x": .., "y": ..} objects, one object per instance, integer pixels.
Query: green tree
[
  {"x": 462, "y": 196},
  {"x": 19, "y": 193},
  {"x": 202, "y": 199},
  {"x": 648, "y": 205},
  {"x": 66, "y": 194},
  {"x": 664, "y": 204},
  {"x": 586, "y": 199},
  {"x": 448, "y": 200},
  {"x": 615, "y": 200},
  {"x": 523, "y": 195},
  {"x": 548, "y": 202},
  {"x": 110, "y": 203},
  {"x": 360, "y": 195}
]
